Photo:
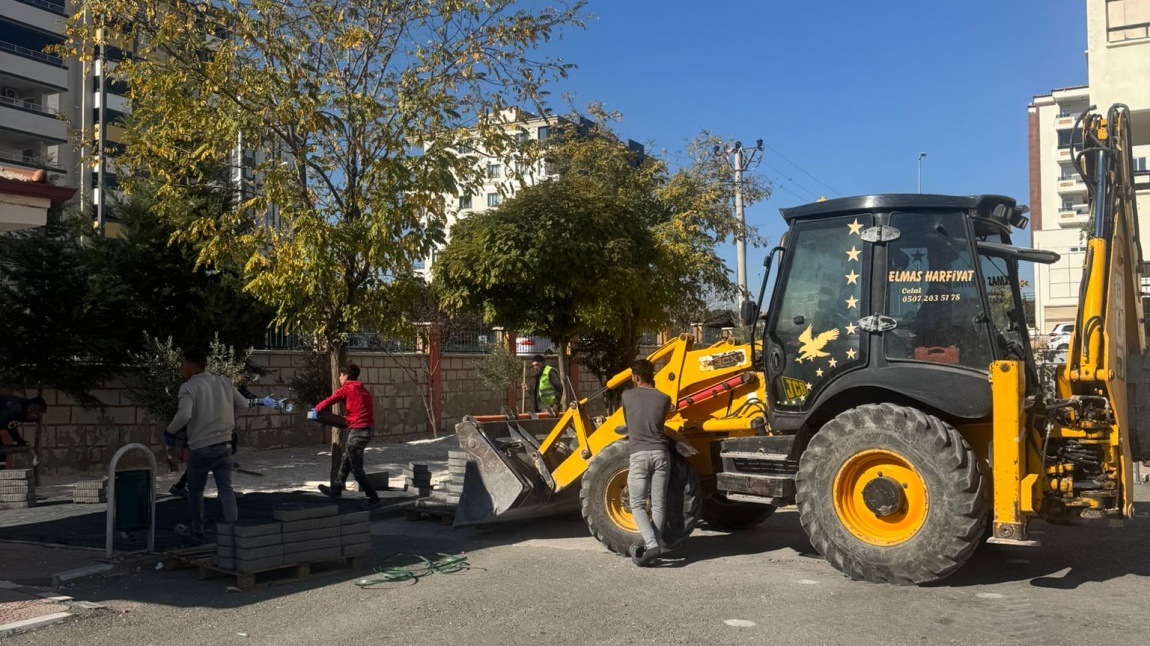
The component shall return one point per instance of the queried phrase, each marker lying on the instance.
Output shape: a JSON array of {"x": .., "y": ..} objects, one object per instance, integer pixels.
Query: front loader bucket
[{"x": 505, "y": 478}]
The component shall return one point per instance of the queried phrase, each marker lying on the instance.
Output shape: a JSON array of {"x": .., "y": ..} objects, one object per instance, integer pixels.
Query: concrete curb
[
  {"x": 7, "y": 630},
  {"x": 72, "y": 575}
]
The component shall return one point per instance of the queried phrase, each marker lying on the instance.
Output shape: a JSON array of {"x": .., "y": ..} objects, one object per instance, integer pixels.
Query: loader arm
[{"x": 1088, "y": 437}]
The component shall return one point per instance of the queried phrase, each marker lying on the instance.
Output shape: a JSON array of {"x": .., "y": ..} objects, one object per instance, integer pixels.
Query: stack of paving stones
[
  {"x": 417, "y": 477},
  {"x": 456, "y": 470},
  {"x": 17, "y": 490},
  {"x": 302, "y": 534},
  {"x": 90, "y": 492}
]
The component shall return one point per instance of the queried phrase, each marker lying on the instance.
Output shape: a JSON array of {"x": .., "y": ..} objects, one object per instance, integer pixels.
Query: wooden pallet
[{"x": 202, "y": 558}]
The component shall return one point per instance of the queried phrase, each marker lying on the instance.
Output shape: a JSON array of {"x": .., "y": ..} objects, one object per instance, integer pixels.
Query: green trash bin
[{"x": 133, "y": 500}]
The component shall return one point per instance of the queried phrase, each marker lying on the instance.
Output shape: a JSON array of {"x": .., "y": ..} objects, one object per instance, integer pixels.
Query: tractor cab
[{"x": 898, "y": 298}]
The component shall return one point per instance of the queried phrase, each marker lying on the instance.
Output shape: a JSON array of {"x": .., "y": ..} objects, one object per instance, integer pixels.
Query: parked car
[
  {"x": 1060, "y": 337},
  {"x": 527, "y": 346}
]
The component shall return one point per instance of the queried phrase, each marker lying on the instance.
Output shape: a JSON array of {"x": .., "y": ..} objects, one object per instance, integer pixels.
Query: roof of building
[{"x": 32, "y": 183}]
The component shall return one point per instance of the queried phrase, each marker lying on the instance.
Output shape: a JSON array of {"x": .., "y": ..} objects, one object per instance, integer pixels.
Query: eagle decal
[{"x": 812, "y": 346}]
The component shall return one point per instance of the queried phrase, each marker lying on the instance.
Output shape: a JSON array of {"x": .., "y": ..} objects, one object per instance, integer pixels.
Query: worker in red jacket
[{"x": 359, "y": 413}]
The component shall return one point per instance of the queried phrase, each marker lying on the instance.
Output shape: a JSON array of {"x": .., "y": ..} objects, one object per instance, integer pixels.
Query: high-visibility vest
[{"x": 547, "y": 392}]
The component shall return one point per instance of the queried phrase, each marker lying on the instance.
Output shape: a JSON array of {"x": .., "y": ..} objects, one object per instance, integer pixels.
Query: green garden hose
[{"x": 443, "y": 564}]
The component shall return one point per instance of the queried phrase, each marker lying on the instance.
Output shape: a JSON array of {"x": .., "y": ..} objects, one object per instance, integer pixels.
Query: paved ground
[
  {"x": 549, "y": 583},
  {"x": 281, "y": 471}
]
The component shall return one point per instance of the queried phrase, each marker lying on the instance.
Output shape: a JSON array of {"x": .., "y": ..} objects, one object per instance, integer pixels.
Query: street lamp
[{"x": 920, "y": 156}]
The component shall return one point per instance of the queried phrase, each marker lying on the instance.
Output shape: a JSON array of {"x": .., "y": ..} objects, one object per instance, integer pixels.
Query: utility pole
[
  {"x": 740, "y": 162},
  {"x": 920, "y": 156}
]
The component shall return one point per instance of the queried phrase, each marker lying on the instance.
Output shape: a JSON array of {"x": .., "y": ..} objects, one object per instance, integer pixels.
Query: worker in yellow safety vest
[{"x": 546, "y": 387}]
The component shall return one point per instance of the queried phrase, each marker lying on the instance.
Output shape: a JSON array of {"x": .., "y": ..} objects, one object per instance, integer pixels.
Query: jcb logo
[{"x": 793, "y": 388}]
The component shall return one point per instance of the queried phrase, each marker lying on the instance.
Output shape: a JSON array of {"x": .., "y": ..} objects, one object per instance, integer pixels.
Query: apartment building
[
  {"x": 504, "y": 175},
  {"x": 35, "y": 87},
  {"x": 1118, "y": 66}
]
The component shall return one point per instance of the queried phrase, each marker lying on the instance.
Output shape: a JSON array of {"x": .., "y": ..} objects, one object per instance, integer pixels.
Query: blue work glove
[
  {"x": 270, "y": 402},
  {"x": 169, "y": 440},
  {"x": 311, "y": 414}
]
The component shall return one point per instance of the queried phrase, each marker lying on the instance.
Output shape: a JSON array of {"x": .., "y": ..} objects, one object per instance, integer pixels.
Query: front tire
[
  {"x": 606, "y": 505},
  {"x": 889, "y": 494}
]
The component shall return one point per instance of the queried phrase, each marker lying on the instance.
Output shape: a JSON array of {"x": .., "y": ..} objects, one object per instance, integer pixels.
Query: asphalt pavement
[{"x": 548, "y": 582}]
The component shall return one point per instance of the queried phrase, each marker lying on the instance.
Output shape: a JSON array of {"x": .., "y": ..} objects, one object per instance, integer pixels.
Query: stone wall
[{"x": 72, "y": 439}]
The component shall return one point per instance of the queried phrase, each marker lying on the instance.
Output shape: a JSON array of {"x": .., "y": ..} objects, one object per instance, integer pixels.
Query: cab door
[{"x": 812, "y": 327}]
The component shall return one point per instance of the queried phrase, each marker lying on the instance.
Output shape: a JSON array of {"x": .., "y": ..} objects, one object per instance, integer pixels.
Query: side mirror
[{"x": 748, "y": 313}]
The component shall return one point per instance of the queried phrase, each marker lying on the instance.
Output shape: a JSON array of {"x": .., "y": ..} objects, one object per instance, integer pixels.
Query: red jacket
[{"x": 358, "y": 407}]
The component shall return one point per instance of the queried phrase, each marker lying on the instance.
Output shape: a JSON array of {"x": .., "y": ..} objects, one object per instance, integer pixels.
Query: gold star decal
[
  {"x": 853, "y": 254},
  {"x": 819, "y": 372},
  {"x": 833, "y": 363},
  {"x": 852, "y": 278},
  {"x": 851, "y": 353},
  {"x": 852, "y": 302},
  {"x": 851, "y": 327},
  {"x": 808, "y": 385},
  {"x": 855, "y": 227}
]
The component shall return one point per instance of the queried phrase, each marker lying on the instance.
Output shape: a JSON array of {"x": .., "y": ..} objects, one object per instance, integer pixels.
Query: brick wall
[{"x": 73, "y": 439}]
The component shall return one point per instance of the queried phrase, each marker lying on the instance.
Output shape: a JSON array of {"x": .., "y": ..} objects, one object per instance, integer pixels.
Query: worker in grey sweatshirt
[{"x": 209, "y": 405}]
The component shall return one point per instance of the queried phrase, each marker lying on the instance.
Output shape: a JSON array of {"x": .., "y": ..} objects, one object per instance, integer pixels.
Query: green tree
[
  {"x": 363, "y": 113},
  {"x": 58, "y": 329},
  {"x": 615, "y": 245},
  {"x": 164, "y": 292}
]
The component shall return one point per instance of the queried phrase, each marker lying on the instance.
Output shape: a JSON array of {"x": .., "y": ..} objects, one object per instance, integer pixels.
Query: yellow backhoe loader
[{"x": 891, "y": 392}]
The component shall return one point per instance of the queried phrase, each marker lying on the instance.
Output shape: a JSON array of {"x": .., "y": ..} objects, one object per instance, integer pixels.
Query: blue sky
[{"x": 849, "y": 91}]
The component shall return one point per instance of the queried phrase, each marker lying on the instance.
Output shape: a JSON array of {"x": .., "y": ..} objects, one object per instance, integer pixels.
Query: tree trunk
[
  {"x": 337, "y": 357},
  {"x": 563, "y": 343}
]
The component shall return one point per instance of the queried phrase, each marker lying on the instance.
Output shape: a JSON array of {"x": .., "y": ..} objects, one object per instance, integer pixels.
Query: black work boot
[{"x": 330, "y": 492}]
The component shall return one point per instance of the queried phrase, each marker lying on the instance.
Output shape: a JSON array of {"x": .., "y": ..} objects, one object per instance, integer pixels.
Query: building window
[
  {"x": 1139, "y": 165},
  {"x": 1078, "y": 250},
  {"x": 544, "y": 133},
  {"x": 493, "y": 171},
  {"x": 464, "y": 202},
  {"x": 521, "y": 169},
  {"x": 1127, "y": 20},
  {"x": 1064, "y": 111},
  {"x": 1067, "y": 205},
  {"x": 493, "y": 199},
  {"x": 1067, "y": 173},
  {"x": 1065, "y": 137}
]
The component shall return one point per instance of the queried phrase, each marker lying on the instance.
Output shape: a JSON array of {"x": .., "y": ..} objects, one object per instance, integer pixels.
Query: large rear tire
[
  {"x": 605, "y": 501},
  {"x": 726, "y": 515},
  {"x": 889, "y": 494}
]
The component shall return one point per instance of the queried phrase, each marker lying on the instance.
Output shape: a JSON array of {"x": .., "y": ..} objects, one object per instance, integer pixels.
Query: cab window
[
  {"x": 933, "y": 293},
  {"x": 814, "y": 330}
]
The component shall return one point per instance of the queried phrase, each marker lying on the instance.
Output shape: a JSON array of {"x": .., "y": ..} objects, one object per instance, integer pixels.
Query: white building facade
[
  {"x": 504, "y": 175},
  {"x": 1118, "y": 67}
]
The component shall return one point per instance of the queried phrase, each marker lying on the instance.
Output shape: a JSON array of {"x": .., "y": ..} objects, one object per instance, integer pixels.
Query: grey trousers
[
  {"x": 216, "y": 459},
  {"x": 648, "y": 476}
]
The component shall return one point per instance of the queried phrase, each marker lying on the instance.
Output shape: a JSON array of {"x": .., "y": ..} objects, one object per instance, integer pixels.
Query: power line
[
  {"x": 792, "y": 181},
  {"x": 824, "y": 185}
]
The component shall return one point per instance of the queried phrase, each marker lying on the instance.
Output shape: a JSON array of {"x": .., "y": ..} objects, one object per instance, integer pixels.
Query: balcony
[
  {"x": 25, "y": 162},
  {"x": 1063, "y": 155},
  {"x": 32, "y": 66},
  {"x": 1075, "y": 217},
  {"x": 45, "y": 15},
  {"x": 29, "y": 118},
  {"x": 1071, "y": 185},
  {"x": 1064, "y": 122}
]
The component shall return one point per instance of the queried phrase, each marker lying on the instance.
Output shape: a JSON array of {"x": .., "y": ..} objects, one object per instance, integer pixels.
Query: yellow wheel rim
[
  {"x": 880, "y": 498},
  {"x": 617, "y": 502}
]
